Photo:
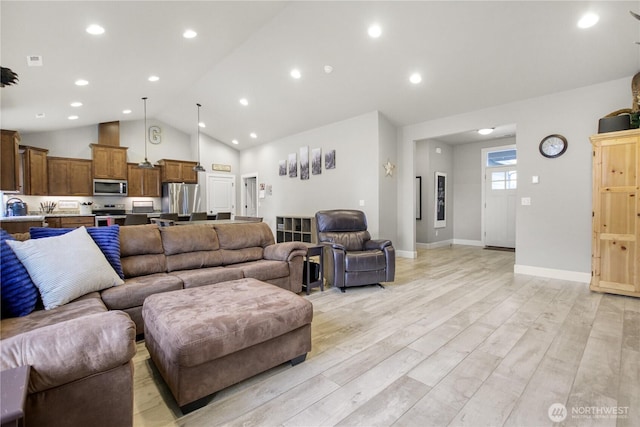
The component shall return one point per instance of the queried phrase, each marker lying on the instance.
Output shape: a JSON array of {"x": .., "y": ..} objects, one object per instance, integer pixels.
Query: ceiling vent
[{"x": 34, "y": 60}]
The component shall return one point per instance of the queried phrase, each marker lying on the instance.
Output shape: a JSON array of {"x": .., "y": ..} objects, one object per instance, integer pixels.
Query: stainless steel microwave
[{"x": 109, "y": 187}]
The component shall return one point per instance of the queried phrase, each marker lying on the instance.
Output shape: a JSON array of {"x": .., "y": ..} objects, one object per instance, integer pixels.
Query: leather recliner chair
[{"x": 351, "y": 257}]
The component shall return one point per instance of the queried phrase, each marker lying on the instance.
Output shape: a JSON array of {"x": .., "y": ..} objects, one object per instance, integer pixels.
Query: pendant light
[
  {"x": 198, "y": 167},
  {"x": 146, "y": 164}
]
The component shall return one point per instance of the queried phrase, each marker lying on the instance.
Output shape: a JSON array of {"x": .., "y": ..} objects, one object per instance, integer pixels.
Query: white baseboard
[
  {"x": 406, "y": 254},
  {"x": 552, "y": 273},
  {"x": 467, "y": 242}
]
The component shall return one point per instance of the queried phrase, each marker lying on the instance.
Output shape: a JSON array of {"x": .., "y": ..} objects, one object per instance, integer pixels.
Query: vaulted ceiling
[{"x": 470, "y": 55}]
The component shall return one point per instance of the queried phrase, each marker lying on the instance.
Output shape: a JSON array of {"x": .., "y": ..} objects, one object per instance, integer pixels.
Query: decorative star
[{"x": 388, "y": 168}]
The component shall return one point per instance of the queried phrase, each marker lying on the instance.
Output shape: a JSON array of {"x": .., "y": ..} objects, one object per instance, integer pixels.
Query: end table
[{"x": 314, "y": 250}]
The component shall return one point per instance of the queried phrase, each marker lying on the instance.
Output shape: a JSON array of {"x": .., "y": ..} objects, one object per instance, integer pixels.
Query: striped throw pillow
[{"x": 65, "y": 267}]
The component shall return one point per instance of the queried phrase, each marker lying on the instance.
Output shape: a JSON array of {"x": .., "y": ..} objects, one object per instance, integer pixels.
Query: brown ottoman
[{"x": 207, "y": 338}]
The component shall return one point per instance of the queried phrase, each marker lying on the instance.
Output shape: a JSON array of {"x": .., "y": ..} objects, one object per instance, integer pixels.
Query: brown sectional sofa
[{"x": 81, "y": 353}]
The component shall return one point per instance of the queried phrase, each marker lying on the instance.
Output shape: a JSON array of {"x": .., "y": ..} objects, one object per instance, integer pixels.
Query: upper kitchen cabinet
[
  {"x": 178, "y": 171},
  {"x": 69, "y": 177},
  {"x": 10, "y": 161},
  {"x": 34, "y": 166},
  {"x": 143, "y": 182},
  {"x": 109, "y": 162}
]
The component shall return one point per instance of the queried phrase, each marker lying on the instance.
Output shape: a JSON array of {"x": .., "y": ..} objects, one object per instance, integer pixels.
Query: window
[
  {"x": 502, "y": 158},
  {"x": 504, "y": 180}
]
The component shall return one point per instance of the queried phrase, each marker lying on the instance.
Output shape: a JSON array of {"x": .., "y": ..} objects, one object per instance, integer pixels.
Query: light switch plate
[
  {"x": 526, "y": 201},
  {"x": 535, "y": 179}
]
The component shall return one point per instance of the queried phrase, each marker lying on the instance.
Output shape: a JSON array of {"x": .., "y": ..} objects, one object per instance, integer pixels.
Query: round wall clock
[
  {"x": 553, "y": 146},
  {"x": 155, "y": 134}
]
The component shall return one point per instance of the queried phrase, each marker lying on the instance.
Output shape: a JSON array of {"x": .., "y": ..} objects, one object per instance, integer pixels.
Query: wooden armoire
[{"x": 616, "y": 213}]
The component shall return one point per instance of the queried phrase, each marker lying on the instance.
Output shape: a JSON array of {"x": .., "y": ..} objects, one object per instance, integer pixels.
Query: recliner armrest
[
  {"x": 333, "y": 245},
  {"x": 377, "y": 244},
  {"x": 284, "y": 251}
]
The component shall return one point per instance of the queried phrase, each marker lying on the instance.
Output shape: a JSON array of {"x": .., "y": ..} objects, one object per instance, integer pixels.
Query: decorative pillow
[
  {"x": 65, "y": 267},
  {"x": 18, "y": 293},
  {"x": 107, "y": 239}
]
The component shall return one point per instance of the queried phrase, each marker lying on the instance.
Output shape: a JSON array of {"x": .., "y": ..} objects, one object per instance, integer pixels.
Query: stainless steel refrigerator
[{"x": 179, "y": 198}]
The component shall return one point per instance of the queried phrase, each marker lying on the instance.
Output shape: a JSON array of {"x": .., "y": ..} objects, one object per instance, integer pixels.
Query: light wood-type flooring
[{"x": 457, "y": 339}]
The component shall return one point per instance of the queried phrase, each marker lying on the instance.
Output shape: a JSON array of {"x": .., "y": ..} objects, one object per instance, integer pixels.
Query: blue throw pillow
[
  {"x": 107, "y": 239},
  {"x": 18, "y": 293}
]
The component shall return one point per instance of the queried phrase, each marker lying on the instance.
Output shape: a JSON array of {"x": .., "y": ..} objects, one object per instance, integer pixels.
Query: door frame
[
  {"x": 243, "y": 197},
  {"x": 483, "y": 173}
]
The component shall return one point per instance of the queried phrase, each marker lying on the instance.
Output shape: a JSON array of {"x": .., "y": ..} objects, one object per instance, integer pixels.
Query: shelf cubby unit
[{"x": 296, "y": 229}]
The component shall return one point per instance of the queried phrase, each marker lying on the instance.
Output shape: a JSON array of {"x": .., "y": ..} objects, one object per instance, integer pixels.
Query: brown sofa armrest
[
  {"x": 284, "y": 251},
  {"x": 71, "y": 350}
]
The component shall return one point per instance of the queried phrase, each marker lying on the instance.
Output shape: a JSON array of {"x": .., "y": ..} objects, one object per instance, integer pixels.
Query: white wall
[
  {"x": 427, "y": 162},
  {"x": 554, "y": 233},
  {"x": 388, "y": 195},
  {"x": 355, "y": 178}
]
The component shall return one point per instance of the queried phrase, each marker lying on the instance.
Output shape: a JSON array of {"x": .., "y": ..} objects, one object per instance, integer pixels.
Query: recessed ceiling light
[
  {"x": 588, "y": 20},
  {"x": 328, "y": 69},
  {"x": 234, "y": 141},
  {"x": 486, "y": 131},
  {"x": 374, "y": 31},
  {"x": 189, "y": 34},
  {"x": 295, "y": 73},
  {"x": 76, "y": 104},
  {"x": 126, "y": 111},
  {"x": 153, "y": 78},
  {"x": 95, "y": 29},
  {"x": 202, "y": 125},
  {"x": 415, "y": 78},
  {"x": 40, "y": 115},
  {"x": 81, "y": 82},
  {"x": 244, "y": 101},
  {"x": 253, "y": 135},
  {"x": 73, "y": 117}
]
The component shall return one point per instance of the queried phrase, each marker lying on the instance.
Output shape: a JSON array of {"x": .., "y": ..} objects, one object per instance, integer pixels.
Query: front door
[{"x": 500, "y": 206}]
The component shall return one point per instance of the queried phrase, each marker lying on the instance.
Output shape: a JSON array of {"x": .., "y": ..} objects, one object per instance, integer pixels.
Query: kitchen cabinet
[
  {"x": 109, "y": 162},
  {"x": 143, "y": 182},
  {"x": 616, "y": 213},
  {"x": 21, "y": 226},
  {"x": 69, "y": 177},
  {"x": 71, "y": 221},
  {"x": 9, "y": 161},
  {"x": 178, "y": 171},
  {"x": 34, "y": 166},
  {"x": 109, "y": 134}
]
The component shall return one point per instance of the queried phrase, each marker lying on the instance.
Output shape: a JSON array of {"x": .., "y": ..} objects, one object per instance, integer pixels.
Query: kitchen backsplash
[{"x": 76, "y": 205}]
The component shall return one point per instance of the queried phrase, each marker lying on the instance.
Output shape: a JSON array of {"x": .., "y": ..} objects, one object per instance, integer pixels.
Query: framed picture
[
  {"x": 440, "y": 218},
  {"x": 316, "y": 161},
  {"x": 293, "y": 165},
  {"x": 330, "y": 160},
  {"x": 418, "y": 197},
  {"x": 304, "y": 162},
  {"x": 282, "y": 168}
]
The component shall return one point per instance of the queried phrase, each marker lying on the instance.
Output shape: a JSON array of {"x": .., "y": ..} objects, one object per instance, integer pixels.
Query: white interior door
[
  {"x": 500, "y": 206},
  {"x": 221, "y": 195},
  {"x": 250, "y": 196}
]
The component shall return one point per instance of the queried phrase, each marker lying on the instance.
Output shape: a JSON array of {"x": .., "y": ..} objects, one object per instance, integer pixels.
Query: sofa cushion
[
  {"x": 190, "y": 246},
  {"x": 141, "y": 250},
  {"x": 264, "y": 270},
  {"x": 83, "y": 306},
  {"x": 65, "y": 267},
  {"x": 245, "y": 235},
  {"x": 207, "y": 276},
  {"x": 136, "y": 289},
  {"x": 19, "y": 294},
  {"x": 107, "y": 239},
  {"x": 235, "y": 256}
]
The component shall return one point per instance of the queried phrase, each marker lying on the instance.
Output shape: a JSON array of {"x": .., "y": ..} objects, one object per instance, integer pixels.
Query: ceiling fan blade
[{"x": 635, "y": 15}]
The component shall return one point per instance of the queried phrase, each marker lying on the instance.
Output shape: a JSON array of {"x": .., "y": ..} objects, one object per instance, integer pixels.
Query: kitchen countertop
[{"x": 24, "y": 218}]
